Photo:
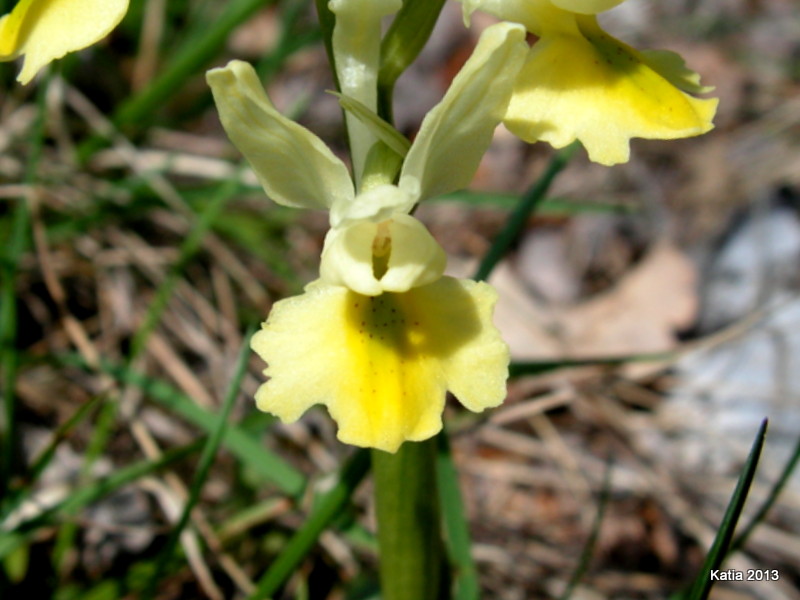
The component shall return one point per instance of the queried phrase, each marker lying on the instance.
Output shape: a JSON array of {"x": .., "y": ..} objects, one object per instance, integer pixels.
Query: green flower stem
[
  {"x": 409, "y": 532},
  {"x": 401, "y": 45},
  {"x": 519, "y": 216},
  {"x": 192, "y": 56}
]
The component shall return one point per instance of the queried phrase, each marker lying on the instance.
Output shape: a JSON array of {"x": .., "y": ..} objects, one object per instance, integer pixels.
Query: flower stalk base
[{"x": 409, "y": 527}]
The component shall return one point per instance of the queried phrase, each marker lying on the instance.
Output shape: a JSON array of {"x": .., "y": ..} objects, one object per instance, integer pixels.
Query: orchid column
[{"x": 382, "y": 335}]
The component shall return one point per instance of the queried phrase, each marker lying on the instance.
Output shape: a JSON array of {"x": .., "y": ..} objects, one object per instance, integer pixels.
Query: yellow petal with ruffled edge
[
  {"x": 44, "y": 30},
  {"x": 382, "y": 364},
  {"x": 592, "y": 87}
]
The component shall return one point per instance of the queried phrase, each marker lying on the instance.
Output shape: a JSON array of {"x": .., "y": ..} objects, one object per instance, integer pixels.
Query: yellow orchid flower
[
  {"x": 580, "y": 83},
  {"x": 382, "y": 335},
  {"x": 382, "y": 364},
  {"x": 44, "y": 30}
]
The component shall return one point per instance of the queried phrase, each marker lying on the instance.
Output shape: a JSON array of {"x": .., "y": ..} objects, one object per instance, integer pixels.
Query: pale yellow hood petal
[
  {"x": 393, "y": 255},
  {"x": 44, "y": 30},
  {"x": 375, "y": 204},
  {"x": 295, "y": 167},
  {"x": 416, "y": 258},
  {"x": 347, "y": 258}
]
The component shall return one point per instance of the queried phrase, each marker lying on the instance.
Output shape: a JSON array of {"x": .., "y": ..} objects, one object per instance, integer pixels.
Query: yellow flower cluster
[{"x": 383, "y": 335}]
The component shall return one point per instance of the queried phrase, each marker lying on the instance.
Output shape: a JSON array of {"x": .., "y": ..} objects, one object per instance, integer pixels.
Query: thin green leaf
[
  {"x": 188, "y": 249},
  {"x": 292, "y": 39},
  {"x": 591, "y": 542},
  {"x": 327, "y": 21},
  {"x": 12, "y": 251},
  {"x": 326, "y": 509},
  {"x": 87, "y": 494},
  {"x": 548, "y": 206},
  {"x": 791, "y": 464},
  {"x": 527, "y": 204},
  {"x": 203, "y": 465},
  {"x": 380, "y": 128},
  {"x": 407, "y": 35},
  {"x": 456, "y": 527},
  {"x": 245, "y": 447},
  {"x": 60, "y": 434},
  {"x": 457, "y": 530},
  {"x": 189, "y": 61},
  {"x": 517, "y": 369},
  {"x": 719, "y": 549},
  {"x": 196, "y": 52},
  {"x": 101, "y": 435}
]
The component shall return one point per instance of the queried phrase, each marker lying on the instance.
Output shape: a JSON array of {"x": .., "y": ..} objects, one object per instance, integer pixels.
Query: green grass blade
[
  {"x": 190, "y": 60},
  {"x": 719, "y": 549},
  {"x": 457, "y": 536},
  {"x": 194, "y": 54},
  {"x": 203, "y": 466},
  {"x": 594, "y": 535},
  {"x": 791, "y": 465},
  {"x": 59, "y": 435},
  {"x": 326, "y": 509},
  {"x": 92, "y": 492},
  {"x": 527, "y": 204},
  {"x": 517, "y": 369},
  {"x": 188, "y": 249},
  {"x": 101, "y": 435},
  {"x": 292, "y": 38},
  {"x": 12, "y": 251},
  {"x": 327, "y": 21},
  {"x": 245, "y": 447},
  {"x": 552, "y": 206},
  {"x": 407, "y": 35},
  {"x": 456, "y": 526}
]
